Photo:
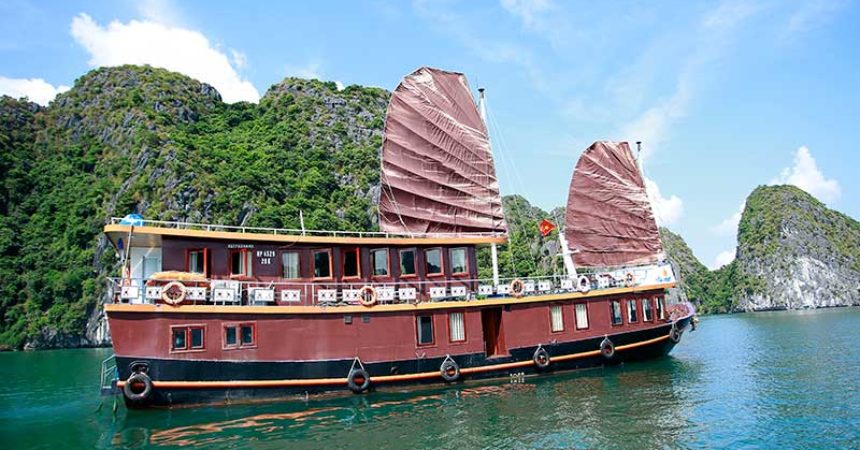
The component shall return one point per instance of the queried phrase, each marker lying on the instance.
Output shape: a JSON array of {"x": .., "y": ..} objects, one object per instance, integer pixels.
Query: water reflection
[{"x": 637, "y": 405}]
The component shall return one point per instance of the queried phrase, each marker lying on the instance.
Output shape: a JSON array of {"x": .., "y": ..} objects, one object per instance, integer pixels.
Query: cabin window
[
  {"x": 459, "y": 266},
  {"x": 290, "y": 265},
  {"x": 581, "y": 316},
  {"x": 556, "y": 318},
  {"x": 615, "y": 310},
  {"x": 379, "y": 259},
  {"x": 425, "y": 330},
  {"x": 195, "y": 261},
  {"x": 240, "y": 335},
  {"x": 661, "y": 308},
  {"x": 187, "y": 338},
  {"x": 647, "y": 314},
  {"x": 241, "y": 262},
  {"x": 230, "y": 337},
  {"x": 407, "y": 263},
  {"x": 433, "y": 261},
  {"x": 179, "y": 342},
  {"x": 248, "y": 335},
  {"x": 351, "y": 264},
  {"x": 322, "y": 264},
  {"x": 631, "y": 311},
  {"x": 456, "y": 327}
]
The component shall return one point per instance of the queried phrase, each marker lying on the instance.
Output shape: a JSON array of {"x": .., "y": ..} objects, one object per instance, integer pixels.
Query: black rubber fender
[
  {"x": 675, "y": 334},
  {"x": 128, "y": 389},
  {"x": 450, "y": 370},
  {"x": 358, "y": 381},
  {"x": 541, "y": 358},
  {"x": 607, "y": 348}
]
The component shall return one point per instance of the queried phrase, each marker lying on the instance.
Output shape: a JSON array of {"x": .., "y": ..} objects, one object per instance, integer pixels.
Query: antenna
[{"x": 482, "y": 105}]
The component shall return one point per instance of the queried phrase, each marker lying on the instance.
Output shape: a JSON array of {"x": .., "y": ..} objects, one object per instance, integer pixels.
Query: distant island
[{"x": 147, "y": 140}]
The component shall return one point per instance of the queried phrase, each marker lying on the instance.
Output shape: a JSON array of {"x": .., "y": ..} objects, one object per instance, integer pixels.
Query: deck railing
[
  {"x": 289, "y": 231},
  {"x": 261, "y": 293}
]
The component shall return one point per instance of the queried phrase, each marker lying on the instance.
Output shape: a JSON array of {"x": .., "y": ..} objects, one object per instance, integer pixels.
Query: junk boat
[{"x": 214, "y": 314}]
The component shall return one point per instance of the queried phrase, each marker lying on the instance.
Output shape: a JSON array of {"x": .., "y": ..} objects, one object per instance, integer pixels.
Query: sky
[{"x": 725, "y": 96}]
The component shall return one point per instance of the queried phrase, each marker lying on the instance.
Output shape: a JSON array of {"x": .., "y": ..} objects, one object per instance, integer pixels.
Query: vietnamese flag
[{"x": 546, "y": 227}]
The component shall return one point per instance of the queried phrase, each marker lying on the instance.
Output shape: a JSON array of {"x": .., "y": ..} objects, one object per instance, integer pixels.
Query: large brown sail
[
  {"x": 438, "y": 174},
  {"x": 609, "y": 222}
]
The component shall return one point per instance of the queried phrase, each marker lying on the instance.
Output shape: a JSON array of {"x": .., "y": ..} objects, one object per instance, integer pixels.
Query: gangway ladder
[{"x": 109, "y": 376}]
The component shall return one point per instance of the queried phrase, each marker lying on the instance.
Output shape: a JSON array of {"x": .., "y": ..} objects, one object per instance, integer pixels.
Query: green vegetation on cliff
[
  {"x": 139, "y": 139},
  {"x": 780, "y": 226}
]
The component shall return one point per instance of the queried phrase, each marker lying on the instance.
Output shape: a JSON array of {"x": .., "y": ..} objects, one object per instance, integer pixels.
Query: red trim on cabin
[
  {"x": 343, "y": 254},
  {"x": 414, "y": 273},
  {"x": 205, "y": 251},
  {"x": 466, "y": 266},
  {"x": 330, "y": 276},
  {"x": 388, "y": 275},
  {"x": 441, "y": 272}
]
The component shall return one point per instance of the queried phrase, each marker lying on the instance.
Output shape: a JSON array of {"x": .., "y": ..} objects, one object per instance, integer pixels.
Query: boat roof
[{"x": 149, "y": 233}]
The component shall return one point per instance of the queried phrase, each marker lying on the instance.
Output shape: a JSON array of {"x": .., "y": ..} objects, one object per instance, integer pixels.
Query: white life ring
[
  {"x": 584, "y": 284},
  {"x": 169, "y": 297}
]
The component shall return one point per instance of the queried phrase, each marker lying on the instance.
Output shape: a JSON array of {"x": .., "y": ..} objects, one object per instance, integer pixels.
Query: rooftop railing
[
  {"x": 290, "y": 231},
  {"x": 262, "y": 293}
]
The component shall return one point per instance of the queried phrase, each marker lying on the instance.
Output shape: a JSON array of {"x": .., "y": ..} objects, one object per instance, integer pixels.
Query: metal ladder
[{"x": 109, "y": 376}]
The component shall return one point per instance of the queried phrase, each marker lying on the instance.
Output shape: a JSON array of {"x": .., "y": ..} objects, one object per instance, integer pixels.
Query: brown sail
[
  {"x": 438, "y": 174},
  {"x": 609, "y": 222}
]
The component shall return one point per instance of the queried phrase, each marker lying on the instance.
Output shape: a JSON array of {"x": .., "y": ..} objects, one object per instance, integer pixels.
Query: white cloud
[
  {"x": 311, "y": 70},
  {"x": 806, "y": 175},
  {"x": 529, "y": 11},
  {"x": 173, "y": 48},
  {"x": 722, "y": 259},
  {"x": 239, "y": 59},
  {"x": 35, "y": 89},
  {"x": 667, "y": 210},
  {"x": 812, "y": 14},
  {"x": 729, "y": 225}
]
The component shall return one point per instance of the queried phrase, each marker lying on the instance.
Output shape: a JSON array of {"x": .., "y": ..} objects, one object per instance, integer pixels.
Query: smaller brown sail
[
  {"x": 438, "y": 174},
  {"x": 609, "y": 221}
]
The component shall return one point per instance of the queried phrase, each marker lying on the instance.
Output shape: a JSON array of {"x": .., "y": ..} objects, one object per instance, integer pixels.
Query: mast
[
  {"x": 494, "y": 251},
  {"x": 569, "y": 266}
]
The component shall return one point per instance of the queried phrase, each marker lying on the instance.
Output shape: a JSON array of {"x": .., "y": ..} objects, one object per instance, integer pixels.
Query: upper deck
[{"x": 149, "y": 233}]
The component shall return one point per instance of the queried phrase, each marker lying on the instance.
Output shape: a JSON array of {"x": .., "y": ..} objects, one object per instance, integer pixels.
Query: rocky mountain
[
  {"x": 793, "y": 252},
  {"x": 140, "y": 139}
]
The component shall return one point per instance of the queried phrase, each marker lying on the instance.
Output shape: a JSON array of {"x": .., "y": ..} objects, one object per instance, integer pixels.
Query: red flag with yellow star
[{"x": 546, "y": 227}]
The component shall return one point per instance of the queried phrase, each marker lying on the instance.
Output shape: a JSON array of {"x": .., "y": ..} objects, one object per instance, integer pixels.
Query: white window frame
[
  {"x": 556, "y": 318},
  {"x": 576, "y": 313},
  {"x": 631, "y": 310},
  {"x": 456, "y": 327}
]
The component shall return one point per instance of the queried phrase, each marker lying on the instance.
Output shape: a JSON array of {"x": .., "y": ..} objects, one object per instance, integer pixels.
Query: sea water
[{"x": 763, "y": 380}]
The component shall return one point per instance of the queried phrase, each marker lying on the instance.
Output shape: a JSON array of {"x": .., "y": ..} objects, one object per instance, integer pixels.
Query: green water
[{"x": 772, "y": 380}]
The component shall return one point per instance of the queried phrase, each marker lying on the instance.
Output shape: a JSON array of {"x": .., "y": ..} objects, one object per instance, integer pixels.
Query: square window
[
  {"x": 196, "y": 337},
  {"x": 425, "y": 330},
  {"x": 556, "y": 318},
  {"x": 433, "y": 260},
  {"x": 179, "y": 339},
  {"x": 581, "y": 316},
  {"x": 615, "y": 310},
  {"x": 457, "y": 327},
  {"x": 407, "y": 262},
  {"x": 196, "y": 261},
  {"x": 647, "y": 315},
  {"x": 631, "y": 311},
  {"x": 458, "y": 261},
  {"x": 379, "y": 260},
  {"x": 351, "y": 265},
  {"x": 247, "y": 332},
  {"x": 322, "y": 264},
  {"x": 241, "y": 262},
  {"x": 230, "y": 337},
  {"x": 290, "y": 264}
]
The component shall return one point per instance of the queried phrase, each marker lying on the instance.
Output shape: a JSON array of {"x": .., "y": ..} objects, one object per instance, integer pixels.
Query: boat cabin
[{"x": 267, "y": 266}]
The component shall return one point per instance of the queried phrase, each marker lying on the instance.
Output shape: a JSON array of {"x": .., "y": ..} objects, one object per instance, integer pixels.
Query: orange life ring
[
  {"x": 367, "y": 300},
  {"x": 517, "y": 288},
  {"x": 173, "y": 293},
  {"x": 629, "y": 280}
]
